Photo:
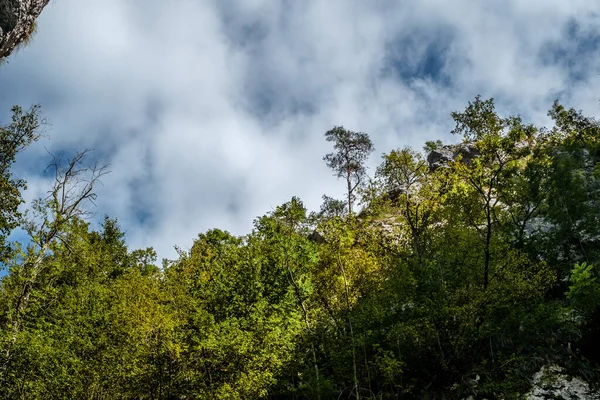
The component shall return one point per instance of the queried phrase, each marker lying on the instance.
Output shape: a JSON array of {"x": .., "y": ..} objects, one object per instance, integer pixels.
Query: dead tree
[{"x": 72, "y": 191}]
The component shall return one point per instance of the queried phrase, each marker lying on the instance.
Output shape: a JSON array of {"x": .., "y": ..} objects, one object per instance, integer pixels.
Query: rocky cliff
[
  {"x": 17, "y": 22},
  {"x": 441, "y": 156}
]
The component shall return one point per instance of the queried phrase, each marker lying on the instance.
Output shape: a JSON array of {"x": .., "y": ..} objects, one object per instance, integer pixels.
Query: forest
[{"x": 456, "y": 271}]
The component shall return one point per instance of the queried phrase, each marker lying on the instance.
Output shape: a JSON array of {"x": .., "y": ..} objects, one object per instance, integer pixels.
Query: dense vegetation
[{"x": 461, "y": 274}]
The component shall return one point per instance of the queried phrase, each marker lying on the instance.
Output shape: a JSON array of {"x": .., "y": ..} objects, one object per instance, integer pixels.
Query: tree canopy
[
  {"x": 470, "y": 267},
  {"x": 348, "y": 162}
]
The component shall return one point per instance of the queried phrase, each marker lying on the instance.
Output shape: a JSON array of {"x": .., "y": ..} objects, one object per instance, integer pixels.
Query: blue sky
[{"x": 212, "y": 113}]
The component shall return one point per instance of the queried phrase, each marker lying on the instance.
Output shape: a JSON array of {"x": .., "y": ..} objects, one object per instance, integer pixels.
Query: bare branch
[{"x": 74, "y": 185}]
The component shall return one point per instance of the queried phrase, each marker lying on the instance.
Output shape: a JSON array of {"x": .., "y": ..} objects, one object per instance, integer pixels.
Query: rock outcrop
[
  {"x": 441, "y": 156},
  {"x": 17, "y": 22},
  {"x": 552, "y": 383},
  {"x": 317, "y": 237}
]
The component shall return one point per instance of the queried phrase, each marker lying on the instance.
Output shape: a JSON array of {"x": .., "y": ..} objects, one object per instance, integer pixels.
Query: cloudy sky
[{"x": 212, "y": 112}]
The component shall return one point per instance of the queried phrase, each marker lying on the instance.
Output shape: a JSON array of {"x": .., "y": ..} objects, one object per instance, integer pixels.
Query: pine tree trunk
[{"x": 349, "y": 182}]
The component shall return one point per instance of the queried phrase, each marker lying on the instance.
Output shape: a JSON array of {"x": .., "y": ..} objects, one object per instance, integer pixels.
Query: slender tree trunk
[
  {"x": 306, "y": 322},
  {"x": 488, "y": 240},
  {"x": 412, "y": 222},
  {"x": 23, "y": 300},
  {"x": 349, "y": 181},
  {"x": 355, "y": 370},
  {"x": 367, "y": 363}
]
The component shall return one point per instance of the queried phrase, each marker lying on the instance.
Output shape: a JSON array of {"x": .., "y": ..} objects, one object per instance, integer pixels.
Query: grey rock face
[
  {"x": 551, "y": 383},
  {"x": 393, "y": 194},
  {"x": 391, "y": 230},
  {"x": 8, "y": 15},
  {"x": 316, "y": 237},
  {"x": 442, "y": 156},
  {"x": 538, "y": 225},
  {"x": 16, "y": 22}
]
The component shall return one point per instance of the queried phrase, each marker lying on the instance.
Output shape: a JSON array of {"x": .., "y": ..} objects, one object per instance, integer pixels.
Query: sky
[{"x": 213, "y": 112}]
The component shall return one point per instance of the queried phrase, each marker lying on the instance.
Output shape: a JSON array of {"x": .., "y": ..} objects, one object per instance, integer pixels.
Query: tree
[
  {"x": 404, "y": 173},
  {"x": 499, "y": 143},
  {"x": 14, "y": 138},
  {"x": 331, "y": 208},
  {"x": 573, "y": 187},
  {"x": 73, "y": 187},
  {"x": 454, "y": 282},
  {"x": 17, "y": 23},
  {"x": 109, "y": 332},
  {"x": 240, "y": 317},
  {"x": 353, "y": 149},
  {"x": 283, "y": 239}
]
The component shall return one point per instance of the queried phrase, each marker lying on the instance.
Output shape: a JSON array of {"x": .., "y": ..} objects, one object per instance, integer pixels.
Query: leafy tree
[
  {"x": 73, "y": 187},
  {"x": 585, "y": 288},
  {"x": 24, "y": 129},
  {"x": 498, "y": 142},
  {"x": 404, "y": 174},
  {"x": 454, "y": 282},
  {"x": 282, "y": 237},
  {"x": 105, "y": 330},
  {"x": 331, "y": 208},
  {"x": 572, "y": 190},
  {"x": 348, "y": 162},
  {"x": 241, "y": 317}
]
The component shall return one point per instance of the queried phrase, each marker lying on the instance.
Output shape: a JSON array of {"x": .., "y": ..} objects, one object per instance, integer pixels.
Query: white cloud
[{"x": 212, "y": 113}]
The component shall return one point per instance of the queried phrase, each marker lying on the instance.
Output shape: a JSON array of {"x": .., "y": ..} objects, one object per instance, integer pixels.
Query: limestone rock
[
  {"x": 551, "y": 383},
  {"x": 17, "y": 18},
  {"x": 317, "y": 237},
  {"x": 393, "y": 195},
  {"x": 440, "y": 157},
  {"x": 390, "y": 229}
]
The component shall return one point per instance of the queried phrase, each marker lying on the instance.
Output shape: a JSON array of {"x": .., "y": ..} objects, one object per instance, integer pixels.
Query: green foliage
[
  {"x": 239, "y": 316},
  {"x": 348, "y": 162},
  {"x": 333, "y": 208},
  {"x": 458, "y": 282},
  {"x": 431, "y": 145},
  {"x": 87, "y": 331},
  {"x": 14, "y": 138},
  {"x": 584, "y": 288}
]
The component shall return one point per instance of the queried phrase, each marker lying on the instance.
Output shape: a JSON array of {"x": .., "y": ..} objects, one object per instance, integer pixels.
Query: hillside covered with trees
[{"x": 460, "y": 270}]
